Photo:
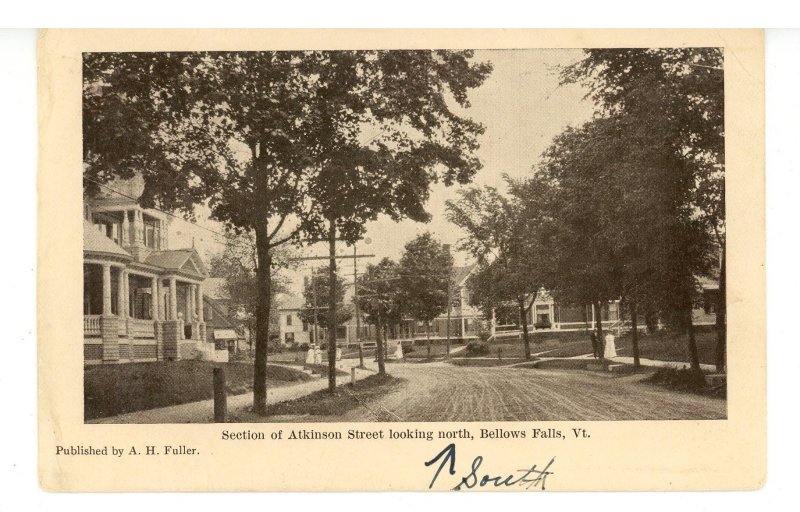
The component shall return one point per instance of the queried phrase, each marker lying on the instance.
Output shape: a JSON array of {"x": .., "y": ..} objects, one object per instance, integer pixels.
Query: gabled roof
[
  {"x": 185, "y": 260},
  {"x": 460, "y": 274},
  {"x": 97, "y": 243}
]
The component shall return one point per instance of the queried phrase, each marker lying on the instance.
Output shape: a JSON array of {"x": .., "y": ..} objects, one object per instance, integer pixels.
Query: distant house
[
  {"x": 141, "y": 299},
  {"x": 547, "y": 314},
  {"x": 293, "y": 330},
  {"x": 464, "y": 319}
]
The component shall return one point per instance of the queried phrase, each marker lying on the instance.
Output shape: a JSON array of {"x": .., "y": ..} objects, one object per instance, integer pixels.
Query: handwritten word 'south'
[{"x": 533, "y": 477}]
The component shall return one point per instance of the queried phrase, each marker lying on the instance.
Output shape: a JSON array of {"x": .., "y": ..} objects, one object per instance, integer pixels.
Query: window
[
  {"x": 305, "y": 326},
  {"x": 288, "y": 320},
  {"x": 150, "y": 236}
]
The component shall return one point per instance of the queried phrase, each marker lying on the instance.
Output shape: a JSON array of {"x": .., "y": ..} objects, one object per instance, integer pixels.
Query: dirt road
[{"x": 441, "y": 392}]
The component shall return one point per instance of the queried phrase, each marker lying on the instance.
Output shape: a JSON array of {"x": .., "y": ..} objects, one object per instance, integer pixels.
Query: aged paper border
[{"x": 634, "y": 455}]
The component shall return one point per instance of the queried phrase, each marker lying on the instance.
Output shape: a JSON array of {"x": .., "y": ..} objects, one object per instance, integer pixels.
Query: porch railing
[
  {"x": 139, "y": 328},
  {"x": 91, "y": 325}
]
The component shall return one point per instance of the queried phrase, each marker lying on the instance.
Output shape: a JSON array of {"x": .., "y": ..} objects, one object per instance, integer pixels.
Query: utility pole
[
  {"x": 355, "y": 304},
  {"x": 449, "y": 305},
  {"x": 367, "y": 241},
  {"x": 331, "y": 337}
]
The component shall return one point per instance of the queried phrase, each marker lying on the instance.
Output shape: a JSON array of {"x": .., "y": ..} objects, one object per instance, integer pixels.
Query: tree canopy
[
  {"x": 380, "y": 298},
  {"x": 317, "y": 294},
  {"x": 503, "y": 233},
  {"x": 425, "y": 270}
]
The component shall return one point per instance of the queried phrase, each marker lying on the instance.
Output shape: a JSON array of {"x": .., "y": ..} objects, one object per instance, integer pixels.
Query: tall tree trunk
[
  {"x": 523, "y": 321},
  {"x": 332, "y": 307},
  {"x": 598, "y": 319},
  {"x": 262, "y": 320},
  {"x": 694, "y": 358},
  {"x": 379, "y": 352},
  {"x": 722, "y": 329},
  {"x": 635, "y": 334}
]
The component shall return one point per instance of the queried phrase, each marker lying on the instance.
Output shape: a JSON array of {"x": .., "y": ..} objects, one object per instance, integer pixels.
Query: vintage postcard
[{"x": 486, "y": 260}]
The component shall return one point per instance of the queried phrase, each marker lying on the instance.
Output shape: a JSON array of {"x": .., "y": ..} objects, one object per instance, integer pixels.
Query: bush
[
  {"x": 408, "y": 347},
  {"x": 684, "y": 379},
  {"x": 304, "y": 347},
  {"x": 477, "y": 348}
]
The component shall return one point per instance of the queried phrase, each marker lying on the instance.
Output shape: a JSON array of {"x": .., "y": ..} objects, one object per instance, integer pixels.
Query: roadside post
[{"x": 220, "y": 397}]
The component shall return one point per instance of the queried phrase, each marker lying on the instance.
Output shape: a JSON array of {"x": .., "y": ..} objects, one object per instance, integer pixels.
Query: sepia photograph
[{"x": 392, "y": 235}]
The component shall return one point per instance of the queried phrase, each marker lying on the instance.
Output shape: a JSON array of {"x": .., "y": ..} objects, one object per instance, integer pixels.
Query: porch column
[
  {"x": 155, "y": 290},
  {"x": 122, "y": 310},
  {"x": 173, "y": 299},
  {"x": 154, "y": 298},
  {"x": 108, "y": 323},
  {"x": 200, "y": 302},
  {"x": 190, "y": 305},
  {"x": 106, "y": 289}
]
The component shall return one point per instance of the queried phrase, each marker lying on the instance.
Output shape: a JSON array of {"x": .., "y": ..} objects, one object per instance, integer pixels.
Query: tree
[
  {"x": 680, "y": 91},
  {"x": 385, "y": 131},
  {"x": 237, "y": 265},
  {"x": 380, "y": 298},
  {"x": 503, "y": 236},
  {"x": 425, "y": 269},
  {"x": 317, "y": 293},
  {"x": 584, "y": 263}
]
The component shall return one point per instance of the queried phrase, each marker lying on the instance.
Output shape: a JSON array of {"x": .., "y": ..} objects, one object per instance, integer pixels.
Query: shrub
[
  {"x": 684, "y": 379},
  {"x": 477, "y": 348},
  {"x": 304, "y": 347},
  {"x": 484, "y": 334},
  {"x": 408, "y": 347}
]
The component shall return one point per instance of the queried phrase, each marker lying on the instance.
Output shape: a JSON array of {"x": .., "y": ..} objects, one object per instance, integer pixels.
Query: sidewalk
[
  {"x": 663, "y": 364},
  {"x": 203, "y": 411},
  {"x": 648, "y": 362}
]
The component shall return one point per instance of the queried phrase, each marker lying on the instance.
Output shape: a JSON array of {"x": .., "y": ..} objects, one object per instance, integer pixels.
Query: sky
[{"x": 522, "y": 107}]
